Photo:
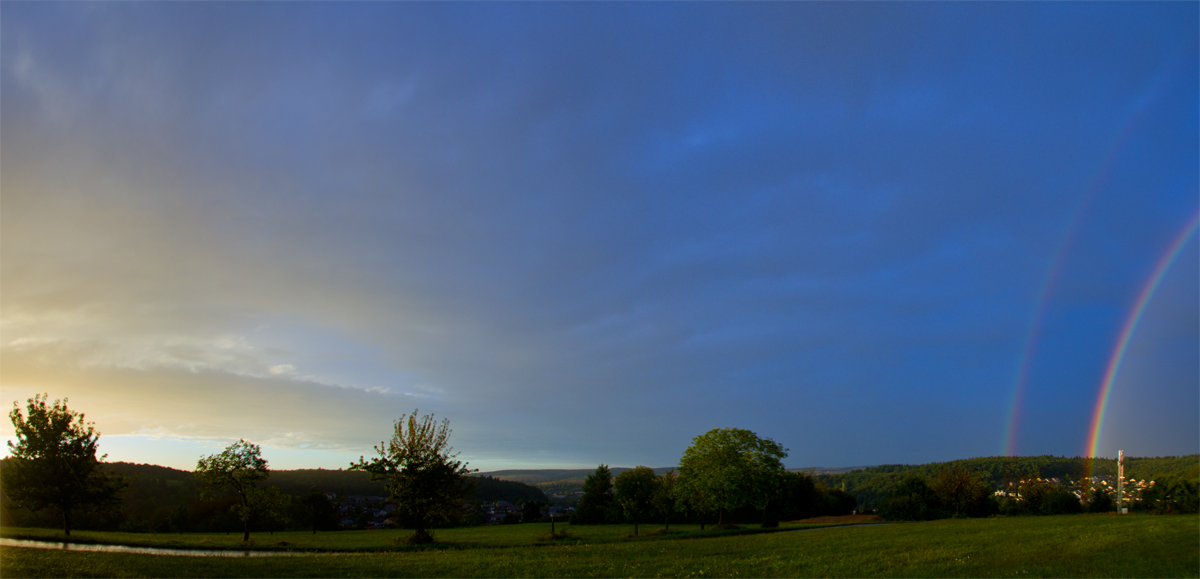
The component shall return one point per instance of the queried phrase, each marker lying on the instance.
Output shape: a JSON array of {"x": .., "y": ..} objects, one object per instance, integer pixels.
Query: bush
[
  {"x": 134, "y": 525},
  {"x": 1101, "y": 501},
  {"x": 1173, "y": 494},
  {"x": 1043, "y": 498},
  {"x": 912, "y": 500}
]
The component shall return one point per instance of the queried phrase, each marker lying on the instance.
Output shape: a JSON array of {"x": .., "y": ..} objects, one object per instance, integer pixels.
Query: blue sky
[{"x": 587, "y": 233}]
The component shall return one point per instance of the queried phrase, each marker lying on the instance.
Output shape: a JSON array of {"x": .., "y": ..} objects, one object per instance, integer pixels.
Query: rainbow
[
  {"x": 1171, "y": 71},
  {"x": 1035, "y": 329},
  {"x": 1118, "y": 354},
  {"x": 1021, "y": 382}
]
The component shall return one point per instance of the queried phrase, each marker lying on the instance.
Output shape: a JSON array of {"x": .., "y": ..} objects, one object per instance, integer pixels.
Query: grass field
[
  {"x": 1068, "y": 546},
  {"x": 525, "y": 535}
]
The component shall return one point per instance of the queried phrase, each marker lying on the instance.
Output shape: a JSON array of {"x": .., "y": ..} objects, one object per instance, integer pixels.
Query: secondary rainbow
[
  {"x": 1167, "y": 74},
  {"x": 1118, "y": 354},
  {"x": 1021, "y": 381}
]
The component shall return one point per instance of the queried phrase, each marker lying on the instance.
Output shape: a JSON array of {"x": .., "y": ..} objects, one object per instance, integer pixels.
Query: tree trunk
[
  {"x": 720, "y": 516},
  {"x": 67, "y": 521},
  {"x": 246, "y": 532},
  {"x": 635, "y": 529}
]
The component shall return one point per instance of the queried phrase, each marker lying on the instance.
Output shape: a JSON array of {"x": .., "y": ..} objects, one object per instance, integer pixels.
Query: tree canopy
[
  {"x": 54, "y": 464},
  {"x": 635, "y": 493},
  {"x": 240, "y": 468},
  {"x": 597, "y": 499},
  {"x": 665, "y": 497},
  {"x": 730, "y": 468},
  {"x": 420, "y": 473}
]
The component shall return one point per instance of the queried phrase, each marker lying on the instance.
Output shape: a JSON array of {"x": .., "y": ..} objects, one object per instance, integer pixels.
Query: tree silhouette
[
  {"x": 421, "y": 473},
  {"x": 54, "y": 464},
  {"x": 240, "y": 467}
]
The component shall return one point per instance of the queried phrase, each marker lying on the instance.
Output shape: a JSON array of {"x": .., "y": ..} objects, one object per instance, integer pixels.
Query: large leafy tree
[
  {"x": 731, "y": 468},
  {"x": 240, "y": 468},
  {"x": 54, "y": 464},
  {"x": 635, "y": 493},
  {"x": 597, "y": 498},
  {"x": 429, "y": 485}
]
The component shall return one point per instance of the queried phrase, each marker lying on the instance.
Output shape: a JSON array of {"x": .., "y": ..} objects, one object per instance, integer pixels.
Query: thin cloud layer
[{"x": 588, "y": 233}]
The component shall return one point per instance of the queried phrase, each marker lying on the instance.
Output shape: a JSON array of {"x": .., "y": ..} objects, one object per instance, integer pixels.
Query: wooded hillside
[{"x": 872, "y": 485}]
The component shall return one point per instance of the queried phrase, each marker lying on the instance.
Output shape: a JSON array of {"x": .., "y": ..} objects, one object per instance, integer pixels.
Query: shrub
[{"x": 1173, "y": 494}]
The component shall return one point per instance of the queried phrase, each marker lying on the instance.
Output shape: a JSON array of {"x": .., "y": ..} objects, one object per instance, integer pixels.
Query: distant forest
[
  {"x": 159, "y": 497},
  {"x": 872, "y": 485}
]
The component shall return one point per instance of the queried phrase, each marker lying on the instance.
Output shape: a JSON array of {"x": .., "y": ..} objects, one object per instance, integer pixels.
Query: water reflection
[{"x": 144, "y": 550}]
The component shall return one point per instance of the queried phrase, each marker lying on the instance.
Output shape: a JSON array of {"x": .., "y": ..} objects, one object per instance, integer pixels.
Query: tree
[
  {"x": 1173, "y": 494},
  {"x": 635, "y": 493},
  {"x": 665, "y": 497},
  {"x": 240, "y": 468},
  {"x": 961, "y": 490},
  {"x": 911, "y": 500},
  {"x": 54, "y": 464},
  {"x": 1101, "y": 501},
  {"x": 771, "y": 496},
  {"x": 429, "y": 485},
  {"x": 732, "y": 468},
  {"x": 692, "y": 500},
  {"x": 837, "y": 502},
  {"x": 530, "y": 512},
  {"x": 1037, "y": 497},
  {"x": 800, "y": 496},
  {"x": 180, "y": 518},
  {"x": 597, "y": 498},
  {"x": 314, "y": 510}
]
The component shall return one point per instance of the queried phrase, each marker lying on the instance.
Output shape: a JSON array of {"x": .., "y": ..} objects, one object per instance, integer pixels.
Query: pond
[{"x": 145, "y": 550}]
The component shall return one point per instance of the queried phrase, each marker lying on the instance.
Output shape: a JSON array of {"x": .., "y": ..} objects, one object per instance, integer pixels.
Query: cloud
[
  {"x": 174, "y": 402},
  {"x": 516, "y": 216}
]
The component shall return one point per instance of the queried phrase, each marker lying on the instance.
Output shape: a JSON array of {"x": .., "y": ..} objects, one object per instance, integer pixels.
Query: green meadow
[
  {"x": 1064, "y": 546},
  {"x": 460, "y": 538}
]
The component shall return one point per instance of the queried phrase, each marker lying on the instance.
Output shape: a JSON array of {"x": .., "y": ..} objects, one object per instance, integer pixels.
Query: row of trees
[
  {"x": 956, "y": 492},
  {"x": 725, "y": 471},
  {"x": 730, "y": 473},
  {"x": 53, "y": 465},
  {"x": 952, "y": 493}
]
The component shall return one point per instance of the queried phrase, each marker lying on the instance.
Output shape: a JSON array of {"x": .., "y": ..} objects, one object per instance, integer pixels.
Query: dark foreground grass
[{"x": 1070, "y": 546}]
